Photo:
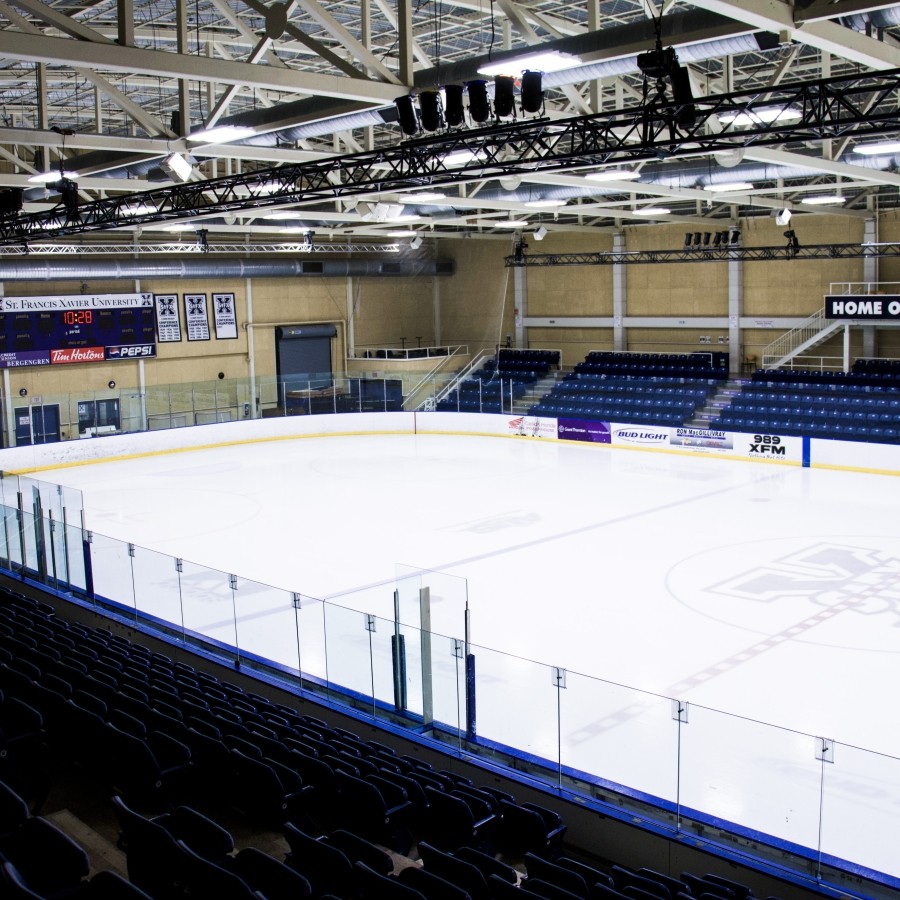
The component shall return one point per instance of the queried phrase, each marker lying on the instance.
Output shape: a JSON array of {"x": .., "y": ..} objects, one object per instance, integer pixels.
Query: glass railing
[{"x": 397, "y": 652}]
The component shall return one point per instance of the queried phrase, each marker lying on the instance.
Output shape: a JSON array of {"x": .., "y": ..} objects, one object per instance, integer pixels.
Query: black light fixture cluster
[
  {"x": 435, "y": 113},
  {"x": 793, "y": 245},
  {"x": 708, "y": 240},
  {"x": 661, "y": 65}
]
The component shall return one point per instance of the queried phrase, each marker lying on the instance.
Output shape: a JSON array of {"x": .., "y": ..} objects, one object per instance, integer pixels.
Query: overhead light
[
  {"x": 294, "y": 229},
  {"x": 138, "y": 209},
  {"x": 540, "y": 234},
  {"x": 461, "y": 157},
  {"x": 221, "y": 134},
  {"x": 408, "y": 217},
  {"x": 416, "y": 242},
  {"x": 614, "y": 175},
  {"x": 869, "y": 149},
  {"x": 726, "y": 186},
  {"x": 179, "y": 226},
  {"x": 406, "y": 233},
  {"x": 761, "y": 116},
  {"x": 824, "y": 200},
  {"x": 782, "y": 216},
  {"x": 380, "y": 212},
  {"x": 508, "y": 223},
  {"x": 177, "y": 167},
  {"x": 651, "y": 211},
  {"x": 285, "y": 214},
  {"x": 552, "y": 61},
  {"x": 545, "y": 204},
  {"x": 424, "y": 197},
  {"x": 47, "y": 177}
]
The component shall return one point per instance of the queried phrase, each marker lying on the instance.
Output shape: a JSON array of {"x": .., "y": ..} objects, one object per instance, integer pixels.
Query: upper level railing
[{"x": 788, "y": 342}]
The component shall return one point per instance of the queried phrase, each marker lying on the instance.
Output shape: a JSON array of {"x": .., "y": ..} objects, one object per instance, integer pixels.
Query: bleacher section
[
  {"x": 648, "y": 388},
  {"x": 500, "y": 381},
  {"x": 172, "y": 744},
  {"x": 860, "y": 405}
]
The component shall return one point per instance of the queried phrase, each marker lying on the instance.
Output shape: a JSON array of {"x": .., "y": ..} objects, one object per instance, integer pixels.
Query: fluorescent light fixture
[
  {"x": 221, "y": 134},
  {"x": 614, "y": 175},
  {"x": 652, "y": 211},
  {"x": 509, "y": 223},
  {"x": 177, "y": 167},
  {"x": 760, "y": 116},
  {"x": 407, "y": 233},
  {"x": 294, "y": 229},
  {"x": 406, "y": 217},
  {"x": 47, "y": 177},
  {"x": 726, "y": 186},
  {"x": 424, "y": 197},
  {"x": 284, "y": 215},
  {"x": 545, "y": 204},
  {"x": 179, "y": 226},
  {"x": 552, "y": 61},
  {"x": 824, "y": 200},
  {"x": 461, "y": 157},
  {"x": 869, "y": 149},
  {"x": 138, "y": 209}
]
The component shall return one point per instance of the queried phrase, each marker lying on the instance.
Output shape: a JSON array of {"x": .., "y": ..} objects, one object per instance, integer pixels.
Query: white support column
[
  {"x": 436, "y": 309},
  {"x": 847, "y": 348},
  {"x": 351, "y": 320},
  {"x": 405, "y": 42},
  {"x": 520, "y": 300},
  {"x": 620, "y": 298},
  {"x": 251, "y": 355},
  {"x": 871, "y": 277},
  {"x": 735, "y": 311}
]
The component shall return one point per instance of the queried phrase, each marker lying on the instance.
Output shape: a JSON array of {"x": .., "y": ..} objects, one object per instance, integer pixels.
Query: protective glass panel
[
  {"x": 349, "y": 647},
  {"x": 12, "y": 537},
  {"x": 311, "y": 631},
  {"x": 157, "y": 590},
  {"x": 75, "y": 548},
  {"x": 448, "y": 687},
  {"x": 111, "y": 568},
  {"x": 739, "y": 770},
  {"x": 620, "y": 735},
  {"x": 30, "y": 543},
  {"x": 448, "y": 596},
  {"x": 208, "y": 604},
  {"x": 266, "y": 625},
  {"x": 516, "y": 704},
  {"x": 859, "y": 807}
]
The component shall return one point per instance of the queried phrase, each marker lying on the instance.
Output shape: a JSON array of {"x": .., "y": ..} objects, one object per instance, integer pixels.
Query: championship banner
[
  {"x": 862, "y": 306},
  {"x": 196, "y": 317},
  {"x": 225, "y": 317},
  {"x": 168, "y": 323}
]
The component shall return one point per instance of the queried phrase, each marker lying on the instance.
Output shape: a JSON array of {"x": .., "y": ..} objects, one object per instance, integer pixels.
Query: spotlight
[
  {"x": 416, "y": 242},
  {"x": 697, "y": 238},
  {"x": 735, "y": 237},
  {"x": 540, "y": 234},
  {"x": 68, "y": 193},
  {"x": 504, "y": 96},
  {"x": 430, "y": 108},
  {"x": 688, "y": 238},
  {"x": 519, "y": 251},
  {"x": 454, "y": 112},
  {"x": 409, "y": 121},
  {"x": 720, "y": 238},
  {"x": 793, "y": 244},
  {"x": 308, "y": 241},
  {"x": 479, "y": 105},
  {"x": 532, "y": 92},
  {"x": 657, "y": 63},
  {"x": 706, "y": 238},
  {"x": 782, "y": 217},
  {"x": 203, "y": 240}
]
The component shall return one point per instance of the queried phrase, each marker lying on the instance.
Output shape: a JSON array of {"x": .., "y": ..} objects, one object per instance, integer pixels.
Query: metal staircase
[{"x": 797, "y": 341}]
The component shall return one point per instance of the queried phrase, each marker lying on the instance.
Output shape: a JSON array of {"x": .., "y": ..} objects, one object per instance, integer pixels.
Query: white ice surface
[{"x": 769, "y": 592}]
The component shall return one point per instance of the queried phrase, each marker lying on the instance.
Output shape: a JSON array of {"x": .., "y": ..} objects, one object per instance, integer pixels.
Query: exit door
[{"x": 37, "y": 424}]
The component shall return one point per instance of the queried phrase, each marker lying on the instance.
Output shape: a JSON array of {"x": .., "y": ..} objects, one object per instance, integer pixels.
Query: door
[{"x": 37, "y": 424}]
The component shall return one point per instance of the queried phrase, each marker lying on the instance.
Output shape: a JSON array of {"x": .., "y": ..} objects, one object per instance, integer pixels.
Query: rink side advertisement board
[
  {"x": 862, "y": 306},
  {"x": 76, "y": 328}
]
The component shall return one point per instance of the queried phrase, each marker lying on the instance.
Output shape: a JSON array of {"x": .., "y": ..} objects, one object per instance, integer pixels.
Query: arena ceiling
[{"x": 105, "y": 91}]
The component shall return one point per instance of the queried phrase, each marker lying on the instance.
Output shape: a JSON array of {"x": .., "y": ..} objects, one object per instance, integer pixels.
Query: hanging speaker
[
  {"x": 431, "y": 111},
  {"x": 479, "y": 105},
  {"x": 683, "y": 97},
  {"x": 504, "y": 96},
  {"x": 532, "y": 92},
  {"x": 454, "y": 111},
  {"x": 406, "y": 112}
]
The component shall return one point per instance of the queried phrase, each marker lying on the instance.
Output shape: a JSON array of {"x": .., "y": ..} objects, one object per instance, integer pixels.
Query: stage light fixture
[
  {"x": 68, "y": 194},
  {"x": 707, "y": 237},
  {"x": 735, "y": 237},
  {"x": 406, "y": 112},
  {"x": 416, "y": 242},
  {"x": 688, "y": 239},
  {"x": 792, "y": 243},
  {"x": 782, "y": 217},
  {"x": 504, "y": 96},
  {"x": 532, "y": 92},
  {"x": 540, "y": 234},
  {"x": 454, "y": 110},
  {"x": 308, "y": 241},
  {"x": 431, "y": 111},
  {"x": 479, "y": 105},
  {"x": 697, "y": 238}
]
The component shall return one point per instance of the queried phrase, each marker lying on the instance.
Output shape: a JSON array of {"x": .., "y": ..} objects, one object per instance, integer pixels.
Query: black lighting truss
[
  {"x": 687, "y": 255},
  {"x": 858, "y": 105}
]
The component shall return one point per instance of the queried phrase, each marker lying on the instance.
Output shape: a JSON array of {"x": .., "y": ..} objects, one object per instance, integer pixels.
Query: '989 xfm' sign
[{"x": 768, "y": 445}]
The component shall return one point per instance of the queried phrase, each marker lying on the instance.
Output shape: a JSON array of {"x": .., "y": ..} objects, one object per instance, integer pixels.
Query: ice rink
[{"x": 768, "y": 592}]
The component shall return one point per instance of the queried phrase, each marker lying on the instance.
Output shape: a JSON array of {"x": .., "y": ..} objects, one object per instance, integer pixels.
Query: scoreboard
[{"x": 41, "y": 331}]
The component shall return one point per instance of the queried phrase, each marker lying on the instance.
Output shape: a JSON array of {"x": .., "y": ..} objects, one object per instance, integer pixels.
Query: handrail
[
  {"x": 791, "y": 340},
  {"x": 409, "y": 401},
  {"x": 404, "y": 353},
  {"x": 454, "y": 383}
]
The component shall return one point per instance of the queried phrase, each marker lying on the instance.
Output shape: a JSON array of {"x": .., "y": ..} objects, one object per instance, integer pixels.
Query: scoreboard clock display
[{"x": 42, "y": 331}]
